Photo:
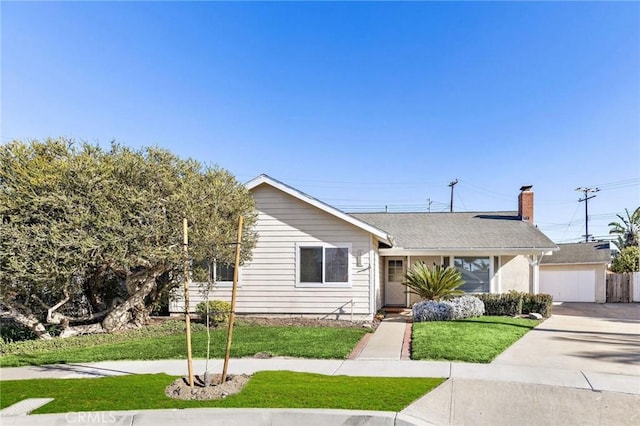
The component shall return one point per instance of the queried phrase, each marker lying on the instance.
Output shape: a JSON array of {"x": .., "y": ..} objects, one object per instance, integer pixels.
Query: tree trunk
[
  {"x": 29, "y": 321},
  {"x": 93, "y": 285},
  {"x": 133, "y": 308}
]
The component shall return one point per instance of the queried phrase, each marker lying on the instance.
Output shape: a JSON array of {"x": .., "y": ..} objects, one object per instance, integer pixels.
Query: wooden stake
[
  {"x": 187, "y": 316},
  {"x": 232, "y": 315}
]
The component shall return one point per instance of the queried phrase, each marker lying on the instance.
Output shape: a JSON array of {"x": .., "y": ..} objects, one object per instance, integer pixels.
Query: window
[
  {"x": 395, "y": 271},
  {"x": 222, "y": 273},
  {"x": 323, "y": 264},
  {"x": 475, "y": 273}
]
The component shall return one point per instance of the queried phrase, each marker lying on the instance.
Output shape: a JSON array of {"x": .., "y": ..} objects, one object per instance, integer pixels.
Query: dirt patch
[
  {"x": 180, "y": 389},
  {"x": 305, "y": 322}
]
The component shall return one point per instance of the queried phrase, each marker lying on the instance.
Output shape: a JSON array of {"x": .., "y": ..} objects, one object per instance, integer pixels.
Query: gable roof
[
  {"x": 465, "y": 231},
  {"x": 267, "y": 180},
  {"x": 580, "y": 253}
]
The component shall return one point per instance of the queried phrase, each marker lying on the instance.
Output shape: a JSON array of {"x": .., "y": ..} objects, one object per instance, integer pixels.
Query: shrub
[
  {"x": 467, "y": 307},
  {"x": 11, "y": 331},
  {"x": 540, "y": 303},
  {"x": 516, "y": 303},
  {"x": 219, "y": 311},
  {"x": 433, "y": 283},
  {"x": 626, "y": 260},
  {"x": 501, "y": 304},
  {"x": 447, "y": 310}
]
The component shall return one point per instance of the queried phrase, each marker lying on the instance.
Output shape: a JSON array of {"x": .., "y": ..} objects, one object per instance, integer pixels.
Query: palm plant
[
  {"x": 627, "y": 230},
  {"x": 433, "y": 283}
]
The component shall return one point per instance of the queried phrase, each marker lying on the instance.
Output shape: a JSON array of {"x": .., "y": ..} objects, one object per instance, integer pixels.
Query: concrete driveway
[{"x": 582, "y": 336}]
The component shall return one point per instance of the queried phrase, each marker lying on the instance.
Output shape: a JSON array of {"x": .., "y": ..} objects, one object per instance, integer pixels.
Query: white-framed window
[
  {"x": 323, "y": 265},
  {"x": 222, "y": 274}
]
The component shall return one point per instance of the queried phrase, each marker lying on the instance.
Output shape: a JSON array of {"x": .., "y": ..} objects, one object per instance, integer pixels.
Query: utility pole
[
  {"x": 586, "y": 199},
  {"x": 451, "y": 185},
  {"x": 429, "y": 202}
]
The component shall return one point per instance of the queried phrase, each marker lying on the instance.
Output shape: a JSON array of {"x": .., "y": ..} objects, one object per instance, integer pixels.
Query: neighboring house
[
  {"x": 313, "y": 259},
  {"x": 577, "y": 272}
]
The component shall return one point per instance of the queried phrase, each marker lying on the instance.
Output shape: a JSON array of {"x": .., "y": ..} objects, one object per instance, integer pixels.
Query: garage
[
  {"x": 569, "y": 286},
  {"x": 576, "y": 272}
]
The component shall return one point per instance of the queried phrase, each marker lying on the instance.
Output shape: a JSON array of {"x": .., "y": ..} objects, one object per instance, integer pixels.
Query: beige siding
[
  {"x": 515, "y": 274},
  {"x": 268, "y": 281}
]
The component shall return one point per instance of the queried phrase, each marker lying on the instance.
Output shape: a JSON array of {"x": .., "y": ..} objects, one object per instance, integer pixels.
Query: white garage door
[{"x": 569, "y": 286}]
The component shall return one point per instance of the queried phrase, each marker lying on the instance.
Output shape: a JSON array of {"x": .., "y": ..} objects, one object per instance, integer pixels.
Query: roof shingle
[
  {"x": 465, "y": 230},
  {"x": 597, "y": 252}
]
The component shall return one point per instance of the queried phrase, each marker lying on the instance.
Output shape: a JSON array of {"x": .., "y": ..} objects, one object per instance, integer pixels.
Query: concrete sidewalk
[
  {"x": 576, "y": 379},
  {"x": 474, "y": 394},
  {"x": 388, "y": 339}
]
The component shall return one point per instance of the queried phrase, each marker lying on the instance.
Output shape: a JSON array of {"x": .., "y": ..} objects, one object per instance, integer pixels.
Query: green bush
[
  {"x": 219, "y": 311},
  {"x": 501, "y": 304},
  {"x": 433, "y": 283},
  {"x": 540, "y": 303},
  {"x": 516, "y": 303},
  {"x": 11, "y": 331}
]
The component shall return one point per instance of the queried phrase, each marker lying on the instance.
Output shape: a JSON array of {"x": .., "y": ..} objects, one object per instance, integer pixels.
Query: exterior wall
[
  {"x": 515, "y": 274},
  {"x": 600, "y": 276},
  {"x": 268, "y": 281}
]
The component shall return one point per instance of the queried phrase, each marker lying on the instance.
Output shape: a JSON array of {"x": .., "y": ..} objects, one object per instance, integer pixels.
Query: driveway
[{"x": 582, "y": 336}]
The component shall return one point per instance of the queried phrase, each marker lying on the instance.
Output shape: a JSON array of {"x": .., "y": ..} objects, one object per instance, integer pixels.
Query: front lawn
[
  {"x": 167, "y": 341},
  {"x": 478, "y": 339},
  {"x": 266, "y": 389}
]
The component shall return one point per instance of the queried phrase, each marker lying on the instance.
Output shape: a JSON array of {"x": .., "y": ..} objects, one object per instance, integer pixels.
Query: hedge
[{"x": 516, "y": 303}]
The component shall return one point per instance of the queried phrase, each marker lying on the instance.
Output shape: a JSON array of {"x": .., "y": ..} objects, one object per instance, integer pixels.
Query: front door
[{"x": 394, "y": 291}]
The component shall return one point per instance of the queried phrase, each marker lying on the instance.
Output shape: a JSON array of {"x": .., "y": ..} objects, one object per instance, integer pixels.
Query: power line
[{"x": 626, "y": 183}]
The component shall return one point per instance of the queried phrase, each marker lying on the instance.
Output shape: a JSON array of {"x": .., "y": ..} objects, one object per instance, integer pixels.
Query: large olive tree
[{"x": 91, "y": 238}]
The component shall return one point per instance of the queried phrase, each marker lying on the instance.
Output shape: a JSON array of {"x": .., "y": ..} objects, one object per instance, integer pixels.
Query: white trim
[
  {"x": 372, "y": 282},
  {"x": 498, "y": 275},
  {"x": 224, "y": 284},
  {"x": 324, "y": 284},
  {"x": 318, "y": 204},
  {"x": 459, "y": 252}
]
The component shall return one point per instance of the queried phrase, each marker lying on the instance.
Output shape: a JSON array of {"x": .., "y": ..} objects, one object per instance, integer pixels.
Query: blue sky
[{"x": 361, "y": 105}]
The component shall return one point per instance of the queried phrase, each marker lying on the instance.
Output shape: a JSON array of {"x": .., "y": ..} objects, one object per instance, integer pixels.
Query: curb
[{"x": 223, "y": 416}]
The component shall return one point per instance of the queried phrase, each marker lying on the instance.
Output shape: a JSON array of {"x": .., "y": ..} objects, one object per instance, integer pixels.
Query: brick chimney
[{"x": 525, "y": 203}]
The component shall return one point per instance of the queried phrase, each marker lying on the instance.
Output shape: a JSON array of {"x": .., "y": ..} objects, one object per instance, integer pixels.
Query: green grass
[
  {"x": 471, "y": 340},
  {"x": 168, "y": 342},
  {"x": 267, "y": 389}
]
